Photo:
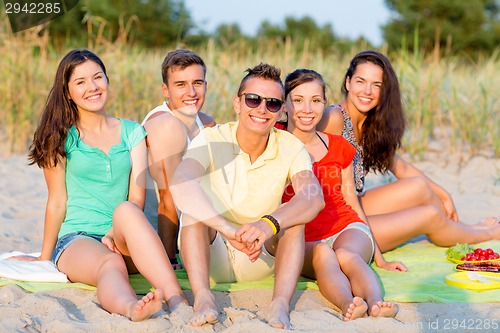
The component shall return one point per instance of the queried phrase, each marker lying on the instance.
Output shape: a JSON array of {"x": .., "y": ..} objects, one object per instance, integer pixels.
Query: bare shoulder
[
  {"x": 165, "y": 126},
  {"x": 332, "y": 121},
  {"x": 207, "y": 120}
]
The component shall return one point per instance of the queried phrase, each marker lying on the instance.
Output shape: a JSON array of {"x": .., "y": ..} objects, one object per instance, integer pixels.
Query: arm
[
  {"x": 56, "y": 207},
  {"x": 164, "y": 158},
  {"x": 402, "y": 169},
  {"x": 191, "y": 199},
  {"x": 55, "y": 211},
  {"x": 351, "y": 198},
  {"x": 137, "y": 184}
]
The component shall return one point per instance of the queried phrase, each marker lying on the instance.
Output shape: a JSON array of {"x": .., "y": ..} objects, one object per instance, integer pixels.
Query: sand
[{"x": 474, "y": 183}]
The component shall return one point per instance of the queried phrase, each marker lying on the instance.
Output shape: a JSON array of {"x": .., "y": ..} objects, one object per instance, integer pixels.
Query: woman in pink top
[{"x": 339, "y": 244}]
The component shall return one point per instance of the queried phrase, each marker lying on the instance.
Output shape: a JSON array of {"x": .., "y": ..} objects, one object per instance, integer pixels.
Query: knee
[
  {"x": 323, "y": 255},
  {"x": 422, "y": 188},
  {"x": 346, "y": 257},
  {"x": 112, "y": 261},
  {"x": 125, "y": 209},
  {"x": 126, "y": 212},
  {"x": 432, "y": 215}
]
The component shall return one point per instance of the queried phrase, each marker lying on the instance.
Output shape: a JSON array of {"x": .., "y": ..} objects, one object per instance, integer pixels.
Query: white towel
[{"x": 33, "y": 271}]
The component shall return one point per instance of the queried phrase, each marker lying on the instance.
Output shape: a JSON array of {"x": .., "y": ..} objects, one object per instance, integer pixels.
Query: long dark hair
[
  {"x": 383, "y": 129},
  {"x": 59, "y": 113}
]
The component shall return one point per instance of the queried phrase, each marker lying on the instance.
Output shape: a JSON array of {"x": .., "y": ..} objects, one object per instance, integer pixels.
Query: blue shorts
[{"x": 66, "y": 240}]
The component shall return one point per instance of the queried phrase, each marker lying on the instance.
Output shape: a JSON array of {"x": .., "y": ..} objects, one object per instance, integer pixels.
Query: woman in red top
[{"x": 339, "y": 244}]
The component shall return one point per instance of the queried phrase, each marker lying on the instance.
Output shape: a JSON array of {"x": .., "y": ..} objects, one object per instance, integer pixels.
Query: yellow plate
[
  {"x": 460, "y": 279},
  {"x": 457, "y": 261}
]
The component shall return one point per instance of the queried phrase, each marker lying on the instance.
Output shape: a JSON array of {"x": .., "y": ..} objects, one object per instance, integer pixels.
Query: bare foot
[
  {"x": 175, "y": 301},
  {"x": 490, "y": 221},
  {"x": 356, "y": 309},
  {"x": 147, "y": 306},
  {"x": 384, "y": 309},
  {"x": 494, "y": 232},
  {"x": 485, "y": 223},
  {"x": 205, "y": 310},
  {"x": 279, "y": 313}
]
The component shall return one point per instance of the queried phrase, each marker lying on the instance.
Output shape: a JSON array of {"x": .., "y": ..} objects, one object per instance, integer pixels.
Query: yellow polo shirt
[{"x": 242, "y": 191}]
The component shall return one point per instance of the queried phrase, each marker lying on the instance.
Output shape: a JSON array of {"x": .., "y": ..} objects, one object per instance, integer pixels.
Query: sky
[{"x": 349, "y": 18}]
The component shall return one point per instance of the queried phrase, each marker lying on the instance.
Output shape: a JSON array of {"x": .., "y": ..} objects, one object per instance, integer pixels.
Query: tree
[
  {"x": 150, "y": 23},
  {"x": 468, "y": 26},
  {"x": 300, "y": 31}
]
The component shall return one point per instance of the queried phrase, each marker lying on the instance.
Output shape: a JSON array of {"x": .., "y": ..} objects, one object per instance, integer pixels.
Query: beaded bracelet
[{"x": 272, "y": 222}]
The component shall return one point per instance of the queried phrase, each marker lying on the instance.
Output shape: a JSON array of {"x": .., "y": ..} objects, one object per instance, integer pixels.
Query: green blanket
[{"x": 424, "y": 282}]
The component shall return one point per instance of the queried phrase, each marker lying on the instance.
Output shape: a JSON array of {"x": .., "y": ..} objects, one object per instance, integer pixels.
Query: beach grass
[{"x": 450, "y": 99}]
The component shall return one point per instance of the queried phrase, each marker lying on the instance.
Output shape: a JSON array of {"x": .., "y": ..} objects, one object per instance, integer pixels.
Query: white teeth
[
  {"x": 190, "y": 102},
  {"x": 93, "y": 97},
  {"x": 260, "y": 120},
  {"x": 305, "y": 119},
  {"x": 365, "y": 99}
]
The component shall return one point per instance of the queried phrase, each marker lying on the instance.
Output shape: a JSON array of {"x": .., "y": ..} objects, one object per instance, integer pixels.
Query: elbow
[{"x": 319, "y": 203}]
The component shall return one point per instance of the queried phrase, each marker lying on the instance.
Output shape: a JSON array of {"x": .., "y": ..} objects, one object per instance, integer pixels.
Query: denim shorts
[{"x": 66, "y": 240}]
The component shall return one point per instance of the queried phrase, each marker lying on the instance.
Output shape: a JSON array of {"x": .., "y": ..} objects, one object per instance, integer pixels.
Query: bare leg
[
  {"x": 393, "y": 229},
  {"x": 404, "y": 194},
  {"x": 135, "y": 237},
  {"x": 333, "y": 283},
  {"x": 197, "y": 262},
  {"x": 168, "y": 225},
  {"x": 289, "y": 261},
  {"x": 354, "y": 250},
  {"x": 90, "y": 262},
  {"x": 400, "y": 195}
]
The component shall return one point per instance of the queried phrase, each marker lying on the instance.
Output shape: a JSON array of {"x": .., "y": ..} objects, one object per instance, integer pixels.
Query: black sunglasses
[{"x": 254, "y": 100}]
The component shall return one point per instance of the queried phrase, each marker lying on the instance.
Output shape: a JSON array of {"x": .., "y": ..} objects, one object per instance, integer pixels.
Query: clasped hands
[{"x": 250, "y": 238}]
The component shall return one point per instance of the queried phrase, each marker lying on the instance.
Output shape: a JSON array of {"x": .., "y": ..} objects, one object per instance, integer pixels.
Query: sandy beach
[{"x": 474, "y": 184}]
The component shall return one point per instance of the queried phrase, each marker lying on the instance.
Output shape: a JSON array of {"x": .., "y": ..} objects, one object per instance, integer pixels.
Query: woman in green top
[{"x": 92, "y": 162}]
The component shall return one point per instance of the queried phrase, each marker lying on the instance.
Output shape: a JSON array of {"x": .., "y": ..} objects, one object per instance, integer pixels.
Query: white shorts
[
  {"x": 355, "y": 225},
  {"x": 230, "y": 265}
]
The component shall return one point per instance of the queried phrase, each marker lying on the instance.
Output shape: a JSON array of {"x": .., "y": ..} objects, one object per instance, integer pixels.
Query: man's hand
[{"x": 250, "y": 238}]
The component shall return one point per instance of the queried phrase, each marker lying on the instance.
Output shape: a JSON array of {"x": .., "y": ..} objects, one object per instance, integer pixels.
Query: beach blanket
[{"x": 424, "y": 282}]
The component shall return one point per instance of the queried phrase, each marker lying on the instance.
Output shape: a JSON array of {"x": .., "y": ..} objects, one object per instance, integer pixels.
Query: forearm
[
  {"x": 301, "y": 209},
  {"x": 52, "y": 225},
  {"x": 191, "y": 200}
]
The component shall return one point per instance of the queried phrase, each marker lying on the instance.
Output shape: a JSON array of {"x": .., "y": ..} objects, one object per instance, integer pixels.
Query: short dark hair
[
  {"x": 180, "y": 58},
  {"x": 264, "y": 71}
]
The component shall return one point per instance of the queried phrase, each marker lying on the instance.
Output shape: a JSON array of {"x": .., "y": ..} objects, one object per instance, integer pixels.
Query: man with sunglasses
[
  {"x": 170, "y": 128},
  {"x": 229, "y": 187}
]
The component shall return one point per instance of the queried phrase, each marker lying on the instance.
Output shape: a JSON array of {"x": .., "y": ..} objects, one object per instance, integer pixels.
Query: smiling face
[
  {"x": 258, "y": 120},
  {"x": 88, "y": 87},
  {"x": 304, "y": 105},
  {"x": 185, "y": 89},
  {"x": 364, "y": 86}
]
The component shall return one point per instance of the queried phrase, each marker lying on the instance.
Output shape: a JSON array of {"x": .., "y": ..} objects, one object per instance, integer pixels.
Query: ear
[
  {"x": 236, "y": 105},
  {"x": 348, "y": 83},
  {"x": 164, "y": 91}
]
